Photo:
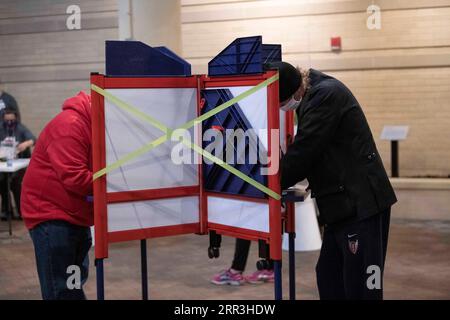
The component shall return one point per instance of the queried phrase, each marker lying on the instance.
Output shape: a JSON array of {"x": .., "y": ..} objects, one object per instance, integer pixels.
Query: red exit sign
[{"x": 336, "y": 44}]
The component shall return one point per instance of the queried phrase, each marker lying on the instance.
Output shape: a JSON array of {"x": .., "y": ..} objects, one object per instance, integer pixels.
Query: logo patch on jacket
[{"x": 352, "y": 243}]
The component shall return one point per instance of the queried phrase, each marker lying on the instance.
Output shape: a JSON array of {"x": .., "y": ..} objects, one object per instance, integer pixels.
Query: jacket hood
[{"x": 81, "y": 103}]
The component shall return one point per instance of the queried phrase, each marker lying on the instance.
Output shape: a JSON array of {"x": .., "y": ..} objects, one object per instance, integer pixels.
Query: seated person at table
[
  {"x": 12, "y": 128},
  {"x": 7, "y": 101}
]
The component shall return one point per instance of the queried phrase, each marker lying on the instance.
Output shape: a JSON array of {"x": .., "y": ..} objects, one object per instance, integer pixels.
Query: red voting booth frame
[{"x": 102, "y": 198}]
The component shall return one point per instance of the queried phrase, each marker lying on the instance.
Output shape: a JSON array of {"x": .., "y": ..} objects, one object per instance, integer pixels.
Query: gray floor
[{"x": 417, "y": 267}]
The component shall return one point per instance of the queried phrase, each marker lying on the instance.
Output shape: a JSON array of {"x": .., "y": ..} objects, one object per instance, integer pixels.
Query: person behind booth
[
  {"x": 235, "y": 274},
  {"x": 12, "y": 129},
  {"x": 54, "y": 200},
  {"x": 335, "y": 151}
]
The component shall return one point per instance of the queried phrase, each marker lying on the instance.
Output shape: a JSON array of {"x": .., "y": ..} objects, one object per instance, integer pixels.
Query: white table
[{"x": 17, "y": 165}]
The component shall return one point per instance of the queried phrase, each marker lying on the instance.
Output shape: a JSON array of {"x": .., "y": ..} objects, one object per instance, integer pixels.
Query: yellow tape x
[{"x": 167, "y": 132}]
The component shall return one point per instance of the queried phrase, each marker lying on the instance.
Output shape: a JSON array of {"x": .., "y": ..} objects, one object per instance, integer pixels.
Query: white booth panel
[
  {"x": 126, "y": 133},
  {"x": 254, "y": 107},
  {"x": 239, "y": 213},
  {"x": 153, "y": 213}
]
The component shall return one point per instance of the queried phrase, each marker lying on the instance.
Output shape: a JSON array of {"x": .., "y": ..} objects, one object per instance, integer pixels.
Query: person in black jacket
[{"x": 335, "y": 151}]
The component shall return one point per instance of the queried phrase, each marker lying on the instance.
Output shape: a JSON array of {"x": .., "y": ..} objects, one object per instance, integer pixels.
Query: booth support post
[
  {"x": 203, "y": 201},
  {"x": 290, "y": 229},
  {"x": 277, "y": 282},
  {"x": 291, "y": 265},
  {"x": 100, "y": 279},
  {"x": 144, "y": 277},
  {"x": 99, "y": 185},
  {"x": 273, "y": 122},
  {"x": 394, "y": 158},
  {"x": 290, "y": 210},
  {"x": 9, "y": 211}
]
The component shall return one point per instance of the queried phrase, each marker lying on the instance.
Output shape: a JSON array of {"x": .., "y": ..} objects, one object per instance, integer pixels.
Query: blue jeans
[{"x": 58, "y": 245}]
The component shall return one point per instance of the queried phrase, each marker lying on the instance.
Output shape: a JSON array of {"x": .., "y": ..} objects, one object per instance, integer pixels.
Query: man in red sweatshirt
[{"x": 54, "y": 205}]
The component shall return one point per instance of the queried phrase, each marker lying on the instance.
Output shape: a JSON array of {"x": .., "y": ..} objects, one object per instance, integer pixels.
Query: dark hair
[
  {"x": 10, "y": 111},
  {"x": 290, "y": 78}
]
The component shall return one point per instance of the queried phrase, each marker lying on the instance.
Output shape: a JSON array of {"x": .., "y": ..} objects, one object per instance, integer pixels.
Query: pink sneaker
[
  {"x": 228, "y": 277},
  {"x": 260, "y": 276}
]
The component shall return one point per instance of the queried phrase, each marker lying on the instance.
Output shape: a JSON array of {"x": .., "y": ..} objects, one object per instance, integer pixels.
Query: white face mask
[{"x": 291, "y": 105}]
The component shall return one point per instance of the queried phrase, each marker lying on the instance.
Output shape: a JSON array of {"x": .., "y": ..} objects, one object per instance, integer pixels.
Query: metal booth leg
[
  {"x": 144, "y": 269},
  {"x": 277, "y": 283},
  {"x": 9, "y": 211},
  {"x": 291, "y": 265},
  {"x": 100, "y": 279}
]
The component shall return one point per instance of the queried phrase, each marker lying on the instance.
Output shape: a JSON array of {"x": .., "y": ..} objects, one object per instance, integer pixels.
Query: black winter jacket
[{"x": 335, "y": 150}]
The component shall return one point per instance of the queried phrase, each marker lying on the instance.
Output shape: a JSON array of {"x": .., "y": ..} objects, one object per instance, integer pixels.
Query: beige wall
[
  {"x": 154, "y": 22},
  {"x": 400, "y": 73},
  {"x": 41, "y": 61}
]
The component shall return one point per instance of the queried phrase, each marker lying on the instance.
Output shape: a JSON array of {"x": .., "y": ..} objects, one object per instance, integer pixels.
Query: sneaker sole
[
  {"x": 261, "y": 281},
  {"x": 231, "y": 283}
]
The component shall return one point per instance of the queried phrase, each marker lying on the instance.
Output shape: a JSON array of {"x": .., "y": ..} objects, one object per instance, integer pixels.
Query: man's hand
[{"x": 21, "y": 147}]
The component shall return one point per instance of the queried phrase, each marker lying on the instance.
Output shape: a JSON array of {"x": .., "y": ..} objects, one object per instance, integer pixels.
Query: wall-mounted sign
[{"x": 394, "y": 133}]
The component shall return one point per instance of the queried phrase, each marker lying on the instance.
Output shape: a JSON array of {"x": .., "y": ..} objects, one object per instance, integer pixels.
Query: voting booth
[{"x": 155, "y": 172}]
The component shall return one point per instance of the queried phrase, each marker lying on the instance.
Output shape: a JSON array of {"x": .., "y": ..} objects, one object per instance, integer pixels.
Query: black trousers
[
  {"x": 16, "y": 187},
  {"x": 352, "y": 257},
  {"x": 241, "y": 251}
]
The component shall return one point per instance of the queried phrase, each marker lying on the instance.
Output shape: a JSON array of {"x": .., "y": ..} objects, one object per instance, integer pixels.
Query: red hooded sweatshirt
[{"x": 59, "y": 177}]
